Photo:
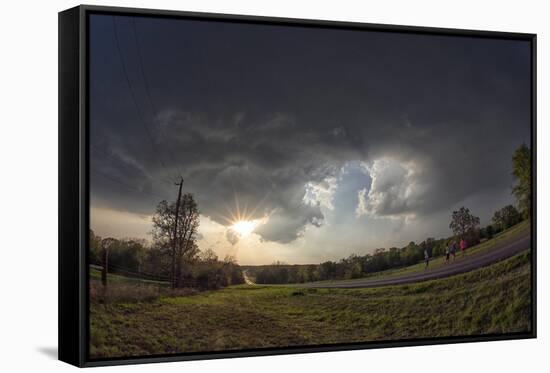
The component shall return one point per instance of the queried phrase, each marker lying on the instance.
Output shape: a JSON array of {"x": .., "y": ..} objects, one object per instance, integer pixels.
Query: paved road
[
  {"x": 247, "y": 279},
  {"x": 504, "y": 250}
]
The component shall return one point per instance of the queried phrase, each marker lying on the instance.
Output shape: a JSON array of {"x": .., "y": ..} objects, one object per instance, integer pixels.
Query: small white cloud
[
  {"x": 396, "y": 189},
  {"x": 321, "y": 193}
]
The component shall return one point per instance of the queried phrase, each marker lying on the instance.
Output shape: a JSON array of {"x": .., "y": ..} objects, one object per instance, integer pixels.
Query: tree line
[
  {"x": 173, "y": 255},
  {"x": 357, "y": 266},
  {"x": 464, "y": 225}
]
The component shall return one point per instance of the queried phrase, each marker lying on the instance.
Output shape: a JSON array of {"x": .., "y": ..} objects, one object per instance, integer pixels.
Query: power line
[
  {"x": 132, "y": 94},
  {"x": 146, "y": 85},
  {"x": 112, "y": 156},
  {"x": 127, "y": 186},
  {"x": 140, "y": 60},
  {"x": 139, "y": 273}
]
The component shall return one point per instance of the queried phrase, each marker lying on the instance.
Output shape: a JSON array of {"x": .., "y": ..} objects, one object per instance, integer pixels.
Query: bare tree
[{"x": 184, "y": 249}]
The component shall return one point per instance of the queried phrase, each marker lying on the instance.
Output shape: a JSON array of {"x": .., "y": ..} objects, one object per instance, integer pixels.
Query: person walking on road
[
  {"x": 426, "y": 258},
  {"x": 463, "y": 246},
  {"x": 453, "y": 250},
  {"x": 447, "y": 253}
]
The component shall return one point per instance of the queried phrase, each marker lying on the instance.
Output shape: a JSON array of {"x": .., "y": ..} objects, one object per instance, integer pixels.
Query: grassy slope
[
  {"x": 510, "y": 234},
  {"x": 494, "y": 299}
]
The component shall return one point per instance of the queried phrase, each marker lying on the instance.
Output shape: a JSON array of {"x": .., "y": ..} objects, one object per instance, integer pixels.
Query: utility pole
[
  {"x": 106, "y": 245},
  {"x": 174, "y": 241}
]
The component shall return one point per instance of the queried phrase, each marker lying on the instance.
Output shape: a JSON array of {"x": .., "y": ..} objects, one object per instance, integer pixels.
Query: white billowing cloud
[
  {"x": 396, "y": 189},
  {"x": 321, "y": 193},
  {"x": 232, "y": 236},
  {"x": 362, "y": 205}
]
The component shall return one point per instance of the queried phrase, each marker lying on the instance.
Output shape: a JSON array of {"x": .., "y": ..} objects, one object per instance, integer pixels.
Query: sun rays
[
  {"x": 244, "y": 227},
  {"x": 242, "y": 220}
]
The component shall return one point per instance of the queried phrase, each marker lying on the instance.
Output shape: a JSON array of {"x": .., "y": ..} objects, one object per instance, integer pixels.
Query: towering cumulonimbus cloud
[{"x": 262, "y": 120}]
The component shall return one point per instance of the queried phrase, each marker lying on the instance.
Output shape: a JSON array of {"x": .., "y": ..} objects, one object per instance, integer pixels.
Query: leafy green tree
[
  {"x": 95, "y": 248},
  {"x": 128, "y": 254},
  {"x": 412, "y": 253},
  {"x": 489, "y": 231},
  {"x": 506, "y": 217},
  {"x": 208, "y": 256},
  {"x": 232, "y": 272},
  {"x": 463, "y": 223},
  {"x": 521, "y": 163},
  {"x": 156, "y": 262},
  {"x": 394, "y": 257}
]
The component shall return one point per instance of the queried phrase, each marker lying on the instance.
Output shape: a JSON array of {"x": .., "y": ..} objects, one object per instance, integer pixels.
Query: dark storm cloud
[
  {"x": 255, "y": 166},
  {"x": 249, "y": 114}
]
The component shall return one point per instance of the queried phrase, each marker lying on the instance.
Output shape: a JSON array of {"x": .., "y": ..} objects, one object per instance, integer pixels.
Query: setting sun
[{"x": 244, "y": 227}]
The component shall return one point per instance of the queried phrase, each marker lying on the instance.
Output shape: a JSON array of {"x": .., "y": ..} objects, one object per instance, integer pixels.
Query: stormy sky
[{"x": 331, "y": 141}]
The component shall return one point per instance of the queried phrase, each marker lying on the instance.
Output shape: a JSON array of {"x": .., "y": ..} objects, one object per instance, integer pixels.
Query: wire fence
[
  {"x": 140, "y": 276},
  {"x": 137, "y": 275}
]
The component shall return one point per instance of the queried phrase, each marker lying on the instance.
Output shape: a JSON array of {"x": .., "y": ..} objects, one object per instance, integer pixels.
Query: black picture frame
[{"x": 74, "y": 184}]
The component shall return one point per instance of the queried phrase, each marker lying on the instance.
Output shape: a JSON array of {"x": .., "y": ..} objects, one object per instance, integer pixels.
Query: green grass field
[{"x": 494, "y": 299}]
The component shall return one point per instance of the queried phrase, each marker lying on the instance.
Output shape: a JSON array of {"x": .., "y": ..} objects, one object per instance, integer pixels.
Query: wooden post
[
  {"x": 175, "y": 239},
  {"x": 105, "y": 264}
]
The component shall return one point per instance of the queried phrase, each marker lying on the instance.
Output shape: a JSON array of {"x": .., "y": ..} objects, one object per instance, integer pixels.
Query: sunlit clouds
[
  {"x": 303, "y": 157},
  {"x": 397, "y": 188},
  {"x": 321, "y": 193},
  {"x": 244, "y": 227}
]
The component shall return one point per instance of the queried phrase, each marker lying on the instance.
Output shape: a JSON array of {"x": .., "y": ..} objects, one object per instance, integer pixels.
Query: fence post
[{"x": 105, "y": 263}]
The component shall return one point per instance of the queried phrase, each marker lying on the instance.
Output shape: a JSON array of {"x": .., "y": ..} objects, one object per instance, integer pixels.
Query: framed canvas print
[{"x": 240, "y": 186}]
